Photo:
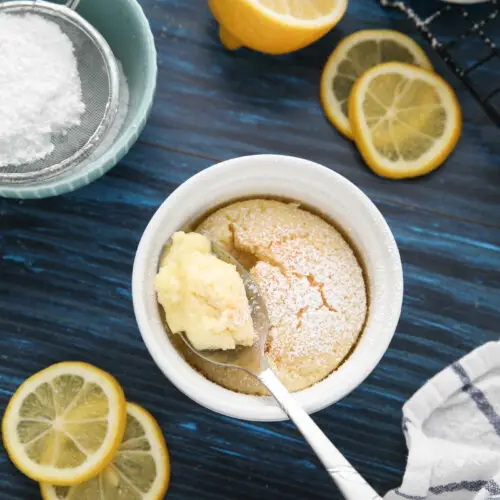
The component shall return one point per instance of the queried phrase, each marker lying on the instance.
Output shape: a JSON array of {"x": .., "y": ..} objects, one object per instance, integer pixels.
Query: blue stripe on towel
[
  {"x": 474, "y": 486},
  {"x": 449, "y": 488},
  {"x": 461, "y": 486},
  {"x": 407, "y": 497},
  {"x": 478, "y": 397}
]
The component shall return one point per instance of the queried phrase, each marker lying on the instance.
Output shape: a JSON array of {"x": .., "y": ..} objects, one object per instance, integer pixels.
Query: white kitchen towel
[{"x": 452, "y": 429}]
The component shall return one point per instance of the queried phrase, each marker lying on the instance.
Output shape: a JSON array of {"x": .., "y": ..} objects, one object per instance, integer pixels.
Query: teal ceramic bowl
[{"x": 126, "y": 29}]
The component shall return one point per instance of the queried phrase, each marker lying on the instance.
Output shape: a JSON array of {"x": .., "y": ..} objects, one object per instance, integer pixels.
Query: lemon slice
[
  {"x": 275, "y": 26},
  {"x": 352, "y": 57},
  {"x": 139, "y": 471},
  {"x": 406, "y": 120},
  {"x": 65, "y": 423}
]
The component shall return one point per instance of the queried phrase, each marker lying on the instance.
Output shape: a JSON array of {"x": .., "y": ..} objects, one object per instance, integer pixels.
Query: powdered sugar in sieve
[{"x": 59, "y": 91}]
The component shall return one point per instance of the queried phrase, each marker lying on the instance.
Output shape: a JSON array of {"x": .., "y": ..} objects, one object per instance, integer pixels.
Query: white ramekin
[{"x": 315, "y": 186}]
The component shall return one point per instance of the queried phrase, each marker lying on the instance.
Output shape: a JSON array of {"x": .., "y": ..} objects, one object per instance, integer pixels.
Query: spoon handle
[{"x": 348, "y": 480}]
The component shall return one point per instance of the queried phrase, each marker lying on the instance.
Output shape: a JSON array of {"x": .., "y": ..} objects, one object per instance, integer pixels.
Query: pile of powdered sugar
[{"x": 40, "y": 87}]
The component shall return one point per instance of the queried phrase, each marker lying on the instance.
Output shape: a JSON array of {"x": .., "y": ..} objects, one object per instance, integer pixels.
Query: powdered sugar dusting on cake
[{"x": 310, "y": 279}]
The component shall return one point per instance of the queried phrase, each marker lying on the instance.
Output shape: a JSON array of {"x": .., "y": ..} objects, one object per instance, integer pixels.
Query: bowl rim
[
  {"x": 195, "y": 385},
  {"x": 126, "y": 138}
]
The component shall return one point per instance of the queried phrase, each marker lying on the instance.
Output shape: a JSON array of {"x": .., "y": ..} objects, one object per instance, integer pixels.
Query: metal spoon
[{"x": 252, "y": 360}]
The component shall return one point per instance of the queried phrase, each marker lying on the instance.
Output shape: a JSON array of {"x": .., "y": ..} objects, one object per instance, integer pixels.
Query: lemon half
[
  {"x": 352, "y": 57},
  {"x": 406, "y": 120},
  {"x": 139, "y": 471},
  {"x": 275, "y": 26},
  {"x": 64, "y": 424}
]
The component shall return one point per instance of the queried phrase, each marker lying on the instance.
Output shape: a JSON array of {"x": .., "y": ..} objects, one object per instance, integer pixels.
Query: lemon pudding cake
[{"x": 312, "y": 284}]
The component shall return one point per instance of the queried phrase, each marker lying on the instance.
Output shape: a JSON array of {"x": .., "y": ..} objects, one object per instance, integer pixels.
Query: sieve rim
[{"x": 111, "y": 109}]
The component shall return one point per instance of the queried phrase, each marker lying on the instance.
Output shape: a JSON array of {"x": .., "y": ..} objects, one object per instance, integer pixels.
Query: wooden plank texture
[{"x": 65, "y": 263}]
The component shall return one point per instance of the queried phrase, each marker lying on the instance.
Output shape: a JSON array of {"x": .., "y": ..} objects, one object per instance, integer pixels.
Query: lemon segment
[
  {"x": 352, "y": 57},
  {"x": 275, "y": 26},
  {"x": 65, "y": 423},
  {"x": 139, "y": 471},
  {"x": 406, "y": 120}
]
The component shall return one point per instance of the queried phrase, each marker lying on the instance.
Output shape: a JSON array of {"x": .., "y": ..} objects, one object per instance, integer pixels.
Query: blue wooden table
[{"x": 65, "y": 263}]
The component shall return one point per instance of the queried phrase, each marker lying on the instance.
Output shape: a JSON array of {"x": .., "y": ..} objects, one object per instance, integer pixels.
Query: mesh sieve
[{"x": 100, "y": 93}]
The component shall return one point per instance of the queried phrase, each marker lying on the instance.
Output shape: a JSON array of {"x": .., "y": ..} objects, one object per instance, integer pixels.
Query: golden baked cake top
[{"x": 311, "y": 281}]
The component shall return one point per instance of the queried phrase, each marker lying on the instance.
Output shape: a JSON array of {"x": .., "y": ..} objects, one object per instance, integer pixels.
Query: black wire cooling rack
[{"x": 467, "y": 37}]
